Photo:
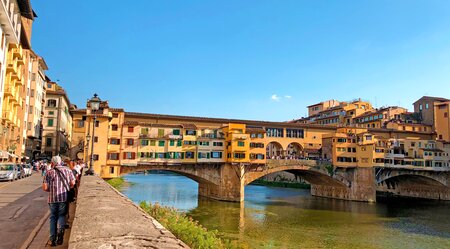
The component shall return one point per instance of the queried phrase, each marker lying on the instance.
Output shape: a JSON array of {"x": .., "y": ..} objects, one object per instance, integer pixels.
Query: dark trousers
[{"x": 58, "y": 211}]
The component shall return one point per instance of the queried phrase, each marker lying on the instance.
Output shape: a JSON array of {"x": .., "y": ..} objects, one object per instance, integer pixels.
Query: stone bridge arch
[
  {"x": 311, "y": 175},
  {"x": 216, "y": 181},
  {"x": 418, "y": 183},
  {"x": 427, "y": 178},
  {"x": 198, "y": 173}
]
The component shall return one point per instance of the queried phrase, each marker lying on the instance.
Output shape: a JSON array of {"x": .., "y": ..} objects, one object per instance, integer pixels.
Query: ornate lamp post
[
  {"x": 88, "y": 138},
  {"x": 94, "y": 104}
]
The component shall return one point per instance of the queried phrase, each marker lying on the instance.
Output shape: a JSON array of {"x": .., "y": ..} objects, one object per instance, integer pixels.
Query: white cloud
[
  {"x": 288, "y": 96},
  {"x": 275, "y": 97}
]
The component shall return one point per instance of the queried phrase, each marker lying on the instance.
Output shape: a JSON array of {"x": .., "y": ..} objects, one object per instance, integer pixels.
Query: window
[
  {"x": 294, "y": 133},
  {"x": 48, "y": 141},
  {"x": 97, "y": 123},
  {"x": 239, "y": 155},
  {"x": 51, "y": 113},
  {"x": 426, "y": 106},
  {"x": 80, "y": 123},
  {"x": 190, "y": 155},
  {"x": 95, "y": 156},
  {"x": 111, "y": 170},
  {"x": 144, "y": 131},
  {"x": 160, "y": 132},
  {"x": 114, "y": 141},
  {"x": 445, "y": 114},
  {"x": 274, "y": 132},
  {"x": 203, "y": 155},
  {"x": 129, "y": 155},
  {"x": 172, "y": 143},
  {"x": 341, "y": 140},
  {"x": 191, "y": 132},
  {"x": 144, "y": 142},
  {"x": 161, "y": 143},
  {"x": 51, "y": 103},
  {"x": 241, "y": 143},
  {"x": 115, "y": 115},
  {"x": 420, "y": 107},
  {"x": 176, "y": 132},
  {"x": 203, "y": 143},
  {"x": 114, "y": 127},
  {"x": 95, "y": 139},
  {"x": 130, "y": 141},
  {"x": 113, "y": 156},
  {"x": 190, "y": 142},
  {"x": 130, "y": 129},
  {"x": 179, "y": 143},
  {"x": 217, "y": 143},
  {"x": 152, "y": 142},
  {"x": 216, "y": 154},
  {"x": 50, "y": 122}
]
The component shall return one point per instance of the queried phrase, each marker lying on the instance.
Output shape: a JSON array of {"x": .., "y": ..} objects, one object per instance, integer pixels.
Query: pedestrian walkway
[{"x": 23, "y": 206}]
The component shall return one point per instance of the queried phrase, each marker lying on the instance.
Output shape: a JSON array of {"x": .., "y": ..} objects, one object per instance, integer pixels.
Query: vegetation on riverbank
[
  {"x": 185, "y": 228},
  {"x": 116, "y": 183},
  {"x": 298, "y": 185}
]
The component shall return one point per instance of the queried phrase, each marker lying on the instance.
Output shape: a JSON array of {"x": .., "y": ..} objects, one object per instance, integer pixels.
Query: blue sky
[{"x": 264, "y": 60}]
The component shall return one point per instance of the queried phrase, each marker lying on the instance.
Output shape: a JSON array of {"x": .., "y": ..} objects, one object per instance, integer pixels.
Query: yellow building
[
  {"x": 356, "y": 147},
  {"x": 13, "y": 101},
  {"x": 377, "y": 118},
  {"x": 442, "y": 120},
  {"x": 402, "y": 126},
  {"x": 336, "y": 113},
  {"x": 416, "y": 152}
]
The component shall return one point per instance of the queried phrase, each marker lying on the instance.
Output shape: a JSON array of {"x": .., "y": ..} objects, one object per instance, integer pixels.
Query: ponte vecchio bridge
[{"x": 225, "y": 155}]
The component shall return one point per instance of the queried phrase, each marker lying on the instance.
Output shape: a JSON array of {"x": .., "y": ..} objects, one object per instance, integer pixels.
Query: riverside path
[{"x": 23, "y": 210}]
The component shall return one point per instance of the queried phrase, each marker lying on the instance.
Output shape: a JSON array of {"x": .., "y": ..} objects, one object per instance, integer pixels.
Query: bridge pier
[
  {"x": 230, "y": 187},
  {"x": 360, "y": 185}
]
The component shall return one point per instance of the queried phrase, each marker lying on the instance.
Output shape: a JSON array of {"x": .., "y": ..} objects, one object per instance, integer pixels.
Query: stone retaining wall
[{"x": 105, "y": 218}]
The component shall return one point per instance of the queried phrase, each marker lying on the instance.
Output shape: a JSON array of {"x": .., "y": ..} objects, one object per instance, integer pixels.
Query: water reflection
[{"x": 291, "y": 218}]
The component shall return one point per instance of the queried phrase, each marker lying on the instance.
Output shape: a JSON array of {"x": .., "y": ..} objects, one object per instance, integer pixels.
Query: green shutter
[
  {"x": 172, "y": 142},
  {"x": 208, "y": 155},
  {"x": 179, "y": 143}
]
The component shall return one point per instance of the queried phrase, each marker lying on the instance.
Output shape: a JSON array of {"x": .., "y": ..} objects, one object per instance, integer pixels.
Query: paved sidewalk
[{"x": 23, "y": 205}]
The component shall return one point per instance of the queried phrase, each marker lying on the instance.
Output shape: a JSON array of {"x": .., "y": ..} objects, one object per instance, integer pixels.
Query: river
[{"x": 292, "y": 218}]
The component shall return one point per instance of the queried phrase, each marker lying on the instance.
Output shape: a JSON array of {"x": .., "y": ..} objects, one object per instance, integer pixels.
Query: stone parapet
[{"x": 105, "y": 218}]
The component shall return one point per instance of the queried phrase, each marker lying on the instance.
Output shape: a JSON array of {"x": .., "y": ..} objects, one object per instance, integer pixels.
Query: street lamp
[{"x": 94, "y": 104}]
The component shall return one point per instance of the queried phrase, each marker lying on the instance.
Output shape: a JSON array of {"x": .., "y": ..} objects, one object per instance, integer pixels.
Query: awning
[
  {"x": 4, "y": 154},
  {"x": 12, "y": 155}
]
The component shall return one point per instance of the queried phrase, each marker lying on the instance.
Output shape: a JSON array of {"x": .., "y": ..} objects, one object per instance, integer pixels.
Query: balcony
[
  {"x": 17, "y": 52},
  {"x": 239, "y": 137},
  {"x": 11, "y": 67},
  {"x": 8, "y": 116},
  {"x": 10, "y": 92},
  {"x": 14, "y": 76},
  {"x": 210, "y": 136}
]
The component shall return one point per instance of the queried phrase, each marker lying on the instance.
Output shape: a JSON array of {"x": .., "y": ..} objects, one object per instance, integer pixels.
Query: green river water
[{"x": 292, "y": 218}]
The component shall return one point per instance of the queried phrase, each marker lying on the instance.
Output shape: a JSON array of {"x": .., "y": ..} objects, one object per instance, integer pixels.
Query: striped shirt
[{"x": 57, "y": 191}]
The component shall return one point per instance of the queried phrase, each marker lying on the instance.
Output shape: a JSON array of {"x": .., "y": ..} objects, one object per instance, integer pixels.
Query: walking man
[{"x": 57, "y": 182}]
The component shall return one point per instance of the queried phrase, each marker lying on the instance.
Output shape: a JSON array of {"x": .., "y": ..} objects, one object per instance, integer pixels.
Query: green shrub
[
  {"x": 117, "y": 183},
  {"x": 185, "y": 228}
]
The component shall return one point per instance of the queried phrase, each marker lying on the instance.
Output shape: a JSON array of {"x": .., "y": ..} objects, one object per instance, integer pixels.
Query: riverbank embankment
[{"x": 105, "y": 218}]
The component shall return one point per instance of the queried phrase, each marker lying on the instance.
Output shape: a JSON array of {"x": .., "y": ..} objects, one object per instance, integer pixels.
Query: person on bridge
[{"x": 57, "y": 182}]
